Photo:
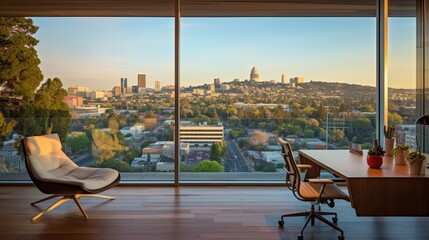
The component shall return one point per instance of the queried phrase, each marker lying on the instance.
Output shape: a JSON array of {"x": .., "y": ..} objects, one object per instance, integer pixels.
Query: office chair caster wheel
[
  {"x": 281, "y": 223},
  {"x": 331, "y": 203},
  {"x": 335, "y": 219},
  {"x": 341, "y": 238}
]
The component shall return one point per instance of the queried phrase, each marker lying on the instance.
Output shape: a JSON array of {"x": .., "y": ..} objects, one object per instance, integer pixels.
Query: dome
[
  {"x": 254, "y": 75},
  {"x": 254, "y": 71}
]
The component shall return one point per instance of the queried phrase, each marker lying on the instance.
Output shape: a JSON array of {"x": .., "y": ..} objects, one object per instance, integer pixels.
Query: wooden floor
[{"x": 189, "y": 213}]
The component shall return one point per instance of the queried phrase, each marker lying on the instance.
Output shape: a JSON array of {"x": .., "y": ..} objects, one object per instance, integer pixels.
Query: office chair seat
[{"x": 310, "y": 191}]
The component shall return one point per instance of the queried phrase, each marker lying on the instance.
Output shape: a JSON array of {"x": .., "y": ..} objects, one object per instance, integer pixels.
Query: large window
[
  {"x": 308, "y": 80},
  {"x": 244, "y": 81},
  {"x": 118, "y": 74}
]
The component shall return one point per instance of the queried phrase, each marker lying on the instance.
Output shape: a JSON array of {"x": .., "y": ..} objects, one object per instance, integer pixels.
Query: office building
[
  {"x": 201, "y": 133},
  {"x": 74, "y": 101},
  {"x": 216, "y": 82},
  {"x": 78, "y": 91},
  {"x": 298, "y": 80},
  {"x": 135, "y": 89},
  {"x": 284, "y": 78},
  {"x": 141, "y": 80},
  {"x": 116, "y": 90},
  {"x": 124, "y": 85},
  {"x": 212, "y": 88},
  {"x": 157, "y": 86}
]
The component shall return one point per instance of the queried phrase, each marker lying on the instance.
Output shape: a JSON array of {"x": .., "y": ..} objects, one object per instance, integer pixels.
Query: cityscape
[{"x": 232, "y": 124}]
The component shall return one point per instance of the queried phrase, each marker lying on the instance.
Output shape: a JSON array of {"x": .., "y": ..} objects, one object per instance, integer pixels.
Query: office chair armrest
[
  {"x": 304, "y": 166},
  {"x": 321, "y": 181}
]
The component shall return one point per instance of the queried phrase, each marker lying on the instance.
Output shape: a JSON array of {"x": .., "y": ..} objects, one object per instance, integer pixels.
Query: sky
[{"x": 98, "y": 52}]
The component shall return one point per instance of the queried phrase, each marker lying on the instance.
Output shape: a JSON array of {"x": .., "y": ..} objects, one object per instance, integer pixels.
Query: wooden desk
[{"x": 389, "y": 191}]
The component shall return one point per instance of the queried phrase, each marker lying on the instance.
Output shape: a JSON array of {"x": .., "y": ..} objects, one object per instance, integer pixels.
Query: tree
[
  {"x": 394, "y": 118},
  {"x": 51, "y": 108},
  {"x": 259, "y": 137},
  {"x": 5, "y": 128},
  {"x": 19, "y": 64},
  {"x": 208, "y": 166},
  {"x": 218, "y": 151}
]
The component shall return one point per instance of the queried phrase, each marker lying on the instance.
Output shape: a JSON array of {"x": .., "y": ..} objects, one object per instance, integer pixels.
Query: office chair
[
  {"x": 54, "y": 173},
  {"x": 316, "y": 191}
]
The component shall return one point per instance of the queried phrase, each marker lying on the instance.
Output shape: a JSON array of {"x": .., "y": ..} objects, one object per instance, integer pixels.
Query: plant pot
[
  {"x": 416, "y": 167},
  {"x": 401, "y": 156},
  {"x": 374, "y": 161},
  {"x": 388, "y": 146}
]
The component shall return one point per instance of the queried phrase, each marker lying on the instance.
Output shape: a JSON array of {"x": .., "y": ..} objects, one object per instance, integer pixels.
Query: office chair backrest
[{"x": 293, "y": 176}]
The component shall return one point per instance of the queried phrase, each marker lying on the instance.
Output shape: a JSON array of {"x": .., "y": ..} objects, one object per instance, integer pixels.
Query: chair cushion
[
  {"x": 42, "y": 145},
  {"x": 88, "y": 178},
  {"x": 310, "y": 191}
]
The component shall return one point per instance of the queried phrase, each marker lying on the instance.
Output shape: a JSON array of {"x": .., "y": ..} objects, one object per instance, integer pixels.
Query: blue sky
[{"x": 97, "y": 52}]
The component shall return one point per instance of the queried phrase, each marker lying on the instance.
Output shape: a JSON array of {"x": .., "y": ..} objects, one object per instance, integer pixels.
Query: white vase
[
  {"x": 388, "y": 146},
  {"x": 416, "y": 167},
  {"x": 400, "y": 157}
]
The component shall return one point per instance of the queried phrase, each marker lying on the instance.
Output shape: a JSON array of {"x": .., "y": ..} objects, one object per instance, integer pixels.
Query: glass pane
[
  {"x": 402, "y": 78},
  {"x": 118, "y": 78},
  {"x": 308, "y": 80}
]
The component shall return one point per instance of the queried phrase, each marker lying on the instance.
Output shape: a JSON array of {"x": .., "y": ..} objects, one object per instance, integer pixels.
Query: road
[{"x": 234, "y": 160}]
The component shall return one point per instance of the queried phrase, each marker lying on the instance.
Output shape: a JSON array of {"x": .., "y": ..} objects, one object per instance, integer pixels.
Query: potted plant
[
  {"x": 400, "y": 152},
  {"x": 375, "y": 156},
  {"x": 415, "y": 160},
  {"x": 389, "y": 141}
]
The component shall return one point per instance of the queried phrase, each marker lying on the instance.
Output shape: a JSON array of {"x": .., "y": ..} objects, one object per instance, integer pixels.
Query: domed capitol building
[{"x": 254, "y": 75}]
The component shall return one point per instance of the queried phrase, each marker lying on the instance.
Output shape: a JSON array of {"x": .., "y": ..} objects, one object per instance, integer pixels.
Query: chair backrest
[
  {"x": 293, "y": 175},
  {"x": 44, "y": 157}
]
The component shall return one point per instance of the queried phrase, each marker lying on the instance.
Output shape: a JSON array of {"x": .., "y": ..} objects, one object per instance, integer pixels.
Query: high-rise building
[
  {"x": 124, "y": 85},
  {"x": 135, "y": 89},
  {"x": 217, "y": 81},
  {"x": 157, "y": 86},
  {"x": 284, "y": 78},
  {"x": 141, "y": 80},
  {"x": 298, "y": 80},
  {"x": 78, "y": 91},
  {"x": 291, "y": 82},
  {"x": 116, "y": 90},
  {"x": 212, "y": 88},
  {"x": 254, "y": 75}
]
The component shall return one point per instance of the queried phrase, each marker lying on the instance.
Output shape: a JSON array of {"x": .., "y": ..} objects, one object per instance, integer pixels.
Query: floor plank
[{"x": 189, "y": 213}]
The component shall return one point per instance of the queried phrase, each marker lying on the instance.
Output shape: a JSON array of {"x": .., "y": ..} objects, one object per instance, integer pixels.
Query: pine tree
[{"x": 19, "y": 64}]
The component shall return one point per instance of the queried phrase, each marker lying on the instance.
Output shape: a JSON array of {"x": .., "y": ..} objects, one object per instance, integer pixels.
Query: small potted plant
[
  {"x": 375, "y": 156},
  {"x": 400, "y": 152},
  {"x": 415, "y": 160},
  {"x": 389, "y": 141}
]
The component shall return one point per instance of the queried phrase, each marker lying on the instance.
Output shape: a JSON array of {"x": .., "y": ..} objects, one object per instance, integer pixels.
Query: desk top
[{"x": 348, "y": 165}]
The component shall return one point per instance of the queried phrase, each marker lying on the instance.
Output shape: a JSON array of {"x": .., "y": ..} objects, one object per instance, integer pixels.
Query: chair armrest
[
  {"x": 321, "y": 181},
  {"x": 304, "y": 166}
]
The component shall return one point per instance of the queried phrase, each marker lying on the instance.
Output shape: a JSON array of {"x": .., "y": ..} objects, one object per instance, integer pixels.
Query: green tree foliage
[
  {"x": 218, "y": 151},
  {"x": 19, "y": 64},
  {"x": 234, "y": 133},
  {"x": 131, "y": 154},
  {"x": 78, "y": 143},
  {"x": 5, "y": 128},
  {"x": 208, "y": 166},
  {"x": 394, "y": 118}
]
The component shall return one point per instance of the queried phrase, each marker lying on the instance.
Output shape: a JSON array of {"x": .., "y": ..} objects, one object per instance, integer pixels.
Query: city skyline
[{"x": 319, "y": 49}]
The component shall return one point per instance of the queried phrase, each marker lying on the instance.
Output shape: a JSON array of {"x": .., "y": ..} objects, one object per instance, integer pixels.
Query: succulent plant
[
  {"x": 377, "y": 150},
  {"x": 389, "y": 131},
  {"x": 400, "y": 147}
]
